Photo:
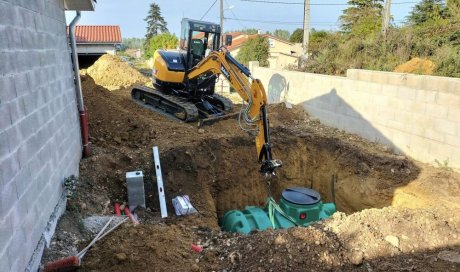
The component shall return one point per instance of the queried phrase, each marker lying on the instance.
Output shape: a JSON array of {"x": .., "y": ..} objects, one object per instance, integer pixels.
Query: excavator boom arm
[{"x": 253, "y": 93}]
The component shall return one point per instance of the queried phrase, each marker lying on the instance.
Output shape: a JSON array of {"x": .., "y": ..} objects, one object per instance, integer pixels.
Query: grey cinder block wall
[
  {"x": 40, "y": 141},
  {"x": 415, "y": 115}
]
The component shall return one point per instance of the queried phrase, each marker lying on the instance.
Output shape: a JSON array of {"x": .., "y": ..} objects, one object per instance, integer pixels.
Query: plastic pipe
[{"x": 79, "y": 94}]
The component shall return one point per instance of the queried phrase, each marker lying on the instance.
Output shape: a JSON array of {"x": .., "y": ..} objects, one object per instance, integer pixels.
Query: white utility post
[
  {"x": 386, "y": 17},
  {"x": 306, "y": 29}
]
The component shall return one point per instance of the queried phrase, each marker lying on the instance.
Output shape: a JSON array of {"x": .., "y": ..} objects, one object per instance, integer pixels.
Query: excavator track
[
  {"x": 226, "y": 103},
  {"x": 173, "y": 106}
]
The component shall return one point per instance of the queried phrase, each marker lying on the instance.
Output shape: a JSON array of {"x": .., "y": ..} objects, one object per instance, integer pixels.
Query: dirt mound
[
  {"x": 112, "y": 73},
  {"x": 416, "y": 66},
  {"x": 373, "y": 240}
]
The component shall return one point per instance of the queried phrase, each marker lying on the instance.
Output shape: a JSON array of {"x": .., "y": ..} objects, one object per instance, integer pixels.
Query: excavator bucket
[{"x": 212, "y": 120}]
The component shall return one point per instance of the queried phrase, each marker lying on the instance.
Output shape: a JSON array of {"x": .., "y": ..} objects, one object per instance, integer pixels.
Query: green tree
[
  {"x": 247, "y": 31},
  {"x": 282, "y": 34},
  {"x": 316, "y": 40},
  {"x": 250, "y": 31},
  {"x": 427, "y": 11},
  {"x": 135, "y": 43},
  {"x": 453, "y": 7},
  {"x": 297, "y": 36},
  {"x": 362, "y": 18},
  {"x": 156, "y": 24},
  {"x": 254, "y": 49},
  {"x": 162, "y": 41}
]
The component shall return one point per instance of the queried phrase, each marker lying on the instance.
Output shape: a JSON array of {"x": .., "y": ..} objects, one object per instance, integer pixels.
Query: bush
[
  {"x": 162, "y": 41},
  {"x": 255, "y": 49}
]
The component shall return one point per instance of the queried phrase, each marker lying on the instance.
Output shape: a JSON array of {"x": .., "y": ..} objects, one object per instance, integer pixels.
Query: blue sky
[{"x": 129, "y": 14}]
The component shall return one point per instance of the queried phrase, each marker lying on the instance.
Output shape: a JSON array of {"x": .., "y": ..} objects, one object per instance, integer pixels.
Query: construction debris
[
  {"x": 183, "y": 206},
  {"x": 136, "y": 192}
]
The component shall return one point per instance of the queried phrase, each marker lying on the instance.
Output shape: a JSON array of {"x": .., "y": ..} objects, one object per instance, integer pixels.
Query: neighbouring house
[
  {"x": 97, "y": 39},
  {"x": 40, "y": 137},
  {"x": 282, "y": 53},
  {"x": 134, "y": 53},
  {"x": 94, "y": 41}
]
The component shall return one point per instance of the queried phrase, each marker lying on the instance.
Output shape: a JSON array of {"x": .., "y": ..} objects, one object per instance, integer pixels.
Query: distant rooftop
[{"x": 97, "y": 34}]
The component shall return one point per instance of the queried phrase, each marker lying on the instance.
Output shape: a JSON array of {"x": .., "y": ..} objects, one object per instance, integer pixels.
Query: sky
[{"x": 130, "y": 14}]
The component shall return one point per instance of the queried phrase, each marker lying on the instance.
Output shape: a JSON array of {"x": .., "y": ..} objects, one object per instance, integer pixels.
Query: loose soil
[
  {"x": 395, "y": 213},
  {"x": 112, "y": 73},
  {"x": 416, "y": 66}
]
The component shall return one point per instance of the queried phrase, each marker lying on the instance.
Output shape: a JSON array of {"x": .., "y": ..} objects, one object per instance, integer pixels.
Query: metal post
[{"x": 386, "y": 17}]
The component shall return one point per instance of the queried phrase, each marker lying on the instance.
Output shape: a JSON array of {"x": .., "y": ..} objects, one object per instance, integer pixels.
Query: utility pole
[
  {"x": 221, "y": 22},
  {"x": 306, "y": 30},
  {"x": 386, "y": 17}
]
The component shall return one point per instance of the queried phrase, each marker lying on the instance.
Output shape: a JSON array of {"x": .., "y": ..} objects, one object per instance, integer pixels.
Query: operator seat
[{"x": 197, "y": 50}]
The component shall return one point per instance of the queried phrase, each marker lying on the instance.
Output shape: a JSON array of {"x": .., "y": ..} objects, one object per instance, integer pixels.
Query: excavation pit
[{"x": 221, "y": 174}]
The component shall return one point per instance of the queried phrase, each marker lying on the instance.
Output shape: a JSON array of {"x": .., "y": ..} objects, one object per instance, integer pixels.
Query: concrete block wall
[
  {"x": 419, "y": 82},
  {"x": 40, "y": 140},
  {"x": 423, "y": 124}
]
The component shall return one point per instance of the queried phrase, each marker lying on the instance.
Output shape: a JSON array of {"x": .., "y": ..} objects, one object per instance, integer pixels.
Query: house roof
[
  {"x": 97, "y": 34},
  {"x": 239, "y": 40}
]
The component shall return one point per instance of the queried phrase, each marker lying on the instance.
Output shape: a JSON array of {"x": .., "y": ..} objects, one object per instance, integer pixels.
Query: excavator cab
[{"x": 198, "y": 37}]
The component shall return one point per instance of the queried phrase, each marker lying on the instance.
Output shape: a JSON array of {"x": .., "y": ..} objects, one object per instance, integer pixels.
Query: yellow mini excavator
[{"x": 184, "y": 82}]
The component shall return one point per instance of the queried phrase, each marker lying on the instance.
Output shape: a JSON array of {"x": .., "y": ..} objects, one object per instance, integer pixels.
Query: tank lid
[{"x": 301, "y": 196}]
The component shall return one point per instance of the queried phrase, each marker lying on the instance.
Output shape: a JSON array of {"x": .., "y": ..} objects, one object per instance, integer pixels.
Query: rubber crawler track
[{"x": 170, "y": 104}]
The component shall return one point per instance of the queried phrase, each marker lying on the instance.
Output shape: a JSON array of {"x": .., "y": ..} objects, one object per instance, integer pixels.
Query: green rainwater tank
[{"x": 300, "y": 207}]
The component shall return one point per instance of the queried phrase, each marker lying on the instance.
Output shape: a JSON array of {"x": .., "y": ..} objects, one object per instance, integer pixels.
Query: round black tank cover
[{"x": 301, "y": 196}]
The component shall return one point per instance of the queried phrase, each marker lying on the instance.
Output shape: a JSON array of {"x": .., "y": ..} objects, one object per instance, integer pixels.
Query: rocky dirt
[{"x": 395, "y": 214}]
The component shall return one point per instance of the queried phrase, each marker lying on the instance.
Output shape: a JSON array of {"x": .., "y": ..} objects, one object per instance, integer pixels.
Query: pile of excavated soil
[
  {"x": 386, "y": 239},
  {"x": 217, "y": 167},
  {"x": 416, "y": 66},
  {"x": 112, "y": 73}
]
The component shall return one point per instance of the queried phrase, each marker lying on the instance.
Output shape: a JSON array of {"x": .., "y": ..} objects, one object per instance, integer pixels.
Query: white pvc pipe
[{"x": 76, "y": 67}]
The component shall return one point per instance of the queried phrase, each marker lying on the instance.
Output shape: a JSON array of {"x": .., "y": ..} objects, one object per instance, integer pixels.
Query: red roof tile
[
  {"x": 239, "y": 40},
  {"x": 97, "y": 34}
]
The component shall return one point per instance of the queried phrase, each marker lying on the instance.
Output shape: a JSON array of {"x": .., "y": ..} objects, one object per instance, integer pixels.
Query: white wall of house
[{"x": 95, "y": 49}]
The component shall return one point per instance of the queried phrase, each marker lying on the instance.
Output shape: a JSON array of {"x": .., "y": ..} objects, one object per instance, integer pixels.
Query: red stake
[
  {"x": 130, "y": 215},
  {"x": 117, "y": 209}
]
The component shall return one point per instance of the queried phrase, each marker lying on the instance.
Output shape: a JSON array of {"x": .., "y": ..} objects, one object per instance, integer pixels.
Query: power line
[
  {"x": 315, "y": 4},
  {"x": 208, "y": 10},
  {"x": 234, "y": 15},
  {"x": 291, "y": 22},
  {"x": 281, "y": 22}
]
